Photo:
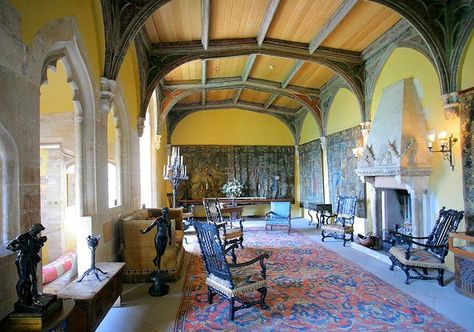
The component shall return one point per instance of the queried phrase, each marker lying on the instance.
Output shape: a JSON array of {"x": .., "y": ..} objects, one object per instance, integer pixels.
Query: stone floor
[{"x": 141, "y": 312}]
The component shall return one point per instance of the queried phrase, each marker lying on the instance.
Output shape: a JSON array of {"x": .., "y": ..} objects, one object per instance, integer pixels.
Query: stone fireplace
[{"x": 396, "y": 163}]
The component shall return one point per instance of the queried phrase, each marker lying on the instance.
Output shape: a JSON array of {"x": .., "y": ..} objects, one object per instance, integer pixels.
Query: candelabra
[{"x": 174, "y": 171}]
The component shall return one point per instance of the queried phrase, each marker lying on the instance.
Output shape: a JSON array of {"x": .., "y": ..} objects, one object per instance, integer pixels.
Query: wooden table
[
  {"x": 319, "y": 208},
  {"x": 235, "y": 213},
  {"x": 93, "y": 298}
]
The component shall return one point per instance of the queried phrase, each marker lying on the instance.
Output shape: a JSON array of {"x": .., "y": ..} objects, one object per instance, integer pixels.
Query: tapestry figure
[
  {"x": 162, "y": 237},
  {"x": 27, "y": 246}
]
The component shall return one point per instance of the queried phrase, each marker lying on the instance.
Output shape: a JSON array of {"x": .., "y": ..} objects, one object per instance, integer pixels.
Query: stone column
[
  {"x": 416, "y": 197},
  {"x": 323, "y": 141}
]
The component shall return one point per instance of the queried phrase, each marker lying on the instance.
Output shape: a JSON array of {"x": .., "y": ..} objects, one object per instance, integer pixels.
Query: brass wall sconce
[{"x": 445, "y": 145}]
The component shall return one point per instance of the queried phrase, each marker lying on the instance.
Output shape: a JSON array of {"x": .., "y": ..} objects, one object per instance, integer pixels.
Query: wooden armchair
[
  {"x": 229, "y": 235},
  {"x": 428, "y": 255},
  {"x": 230, "y": 280},
  {"x": 279, "y": 215},
  {"x": 343, "y": 220}
]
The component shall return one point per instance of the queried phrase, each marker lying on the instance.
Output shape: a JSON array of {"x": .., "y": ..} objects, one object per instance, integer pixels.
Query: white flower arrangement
[{"x": 232, "y": 188}]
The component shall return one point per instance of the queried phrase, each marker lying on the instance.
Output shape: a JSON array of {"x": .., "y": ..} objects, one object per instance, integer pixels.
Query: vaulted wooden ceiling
[
  {"x": 275, "y": 56},
  {"x": 337, "y": 24}
]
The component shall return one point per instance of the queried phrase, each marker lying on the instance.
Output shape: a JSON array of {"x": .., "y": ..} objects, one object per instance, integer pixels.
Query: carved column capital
[
  {"x": 107, "y": 89},
  {"x": 451, "y": 105},
  {"x": 140, "y": 125}
]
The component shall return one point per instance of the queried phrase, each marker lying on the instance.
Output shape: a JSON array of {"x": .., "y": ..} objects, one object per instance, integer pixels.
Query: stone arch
[
  {"x": 9, "y": 166},
  {"x": 60, "y": 39}
]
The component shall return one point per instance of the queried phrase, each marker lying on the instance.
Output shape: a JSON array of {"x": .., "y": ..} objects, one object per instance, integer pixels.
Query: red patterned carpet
[{"x": 310, "y": 288}]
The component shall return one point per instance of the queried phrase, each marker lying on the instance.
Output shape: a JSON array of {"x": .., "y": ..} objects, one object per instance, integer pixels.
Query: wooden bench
[{"x": 93, "y": 298}]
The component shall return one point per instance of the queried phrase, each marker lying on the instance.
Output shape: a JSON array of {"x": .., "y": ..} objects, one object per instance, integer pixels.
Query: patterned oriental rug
[{"x": 309, "y": 288}]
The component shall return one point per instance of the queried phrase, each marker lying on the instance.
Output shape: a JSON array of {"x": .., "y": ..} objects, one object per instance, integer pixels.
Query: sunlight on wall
[
  {"x": 35, "y": 14},
  {"x": 231, "y": 127},
  {"x": 310, "y": 130},
  {"x": 130, "y": 81},
  {"x": 344, "y": 112},
  {"x": 56, "y": 94}
]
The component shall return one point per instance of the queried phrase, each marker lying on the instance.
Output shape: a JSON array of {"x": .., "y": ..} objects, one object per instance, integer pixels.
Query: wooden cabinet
[
  {"x": 462, "y": 246},
  {"x": 93, "y": 298}
]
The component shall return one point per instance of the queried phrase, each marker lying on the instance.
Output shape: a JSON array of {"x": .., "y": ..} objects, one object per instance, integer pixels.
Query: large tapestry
[
  {"x": 342, "y": 166},
  {"x": 311, "y": 172},
  {"x": 467, "y": 141},
  {"x": 264, "y": 171}
]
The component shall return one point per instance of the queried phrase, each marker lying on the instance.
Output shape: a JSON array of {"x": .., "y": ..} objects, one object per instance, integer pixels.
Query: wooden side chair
[
  {"x": 427, "y": 255},
  {"x": 231, "y": 281},
  {"x": 279, "y": 215},
  {"x": 341, "y": 224},
  {"x": 229, "y": 235}
]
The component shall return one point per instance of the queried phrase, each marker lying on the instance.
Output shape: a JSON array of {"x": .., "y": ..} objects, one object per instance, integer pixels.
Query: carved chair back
[
  {"x": 345, "y": 212},
  {"x": 213, "y": 212},
  {"x": 212, "y": 251},
  {"x": 447, "y": 222}
]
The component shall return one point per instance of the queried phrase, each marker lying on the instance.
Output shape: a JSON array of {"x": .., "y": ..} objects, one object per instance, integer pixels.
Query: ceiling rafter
[
  {"x": 205, "y": 12},
  {"x": 248, "y": 66},
  {"x": 230, "y": 104},
  {"x": 237, "y": 83},
  {"x": 267, "y": 21},
  {"x": 203, "y": 80},
  {"x": 331, "y": 24},
  {"x": 164, "y": 57},
  {"x": 270, "y": 100},
  {"x": 293, "y": 71}
]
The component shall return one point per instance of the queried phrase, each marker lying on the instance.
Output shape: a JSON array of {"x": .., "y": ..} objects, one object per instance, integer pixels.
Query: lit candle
[
  {"x": 185, "y": 173},
  {"x": 442, "y": 135},
  {"x": 181, "y": 163}
]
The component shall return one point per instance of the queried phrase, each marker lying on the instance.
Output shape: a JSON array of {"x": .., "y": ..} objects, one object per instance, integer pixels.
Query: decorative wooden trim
[
  {"x": 203, "y": 72},
  {"x": 267, "y": 20},
  {"x": 331, "y": 24}
]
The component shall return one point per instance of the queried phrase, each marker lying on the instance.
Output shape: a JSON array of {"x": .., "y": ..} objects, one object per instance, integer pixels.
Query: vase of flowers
[{"x": 232, "y": 188}]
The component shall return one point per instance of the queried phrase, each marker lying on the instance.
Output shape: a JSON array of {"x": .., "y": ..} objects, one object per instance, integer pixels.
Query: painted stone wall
[
  {"x": 467, "y": 141},
  {"x": 342, "y": 165},
  {"x": 265, "y": 171},
  {"x": 311, "y": 172}
]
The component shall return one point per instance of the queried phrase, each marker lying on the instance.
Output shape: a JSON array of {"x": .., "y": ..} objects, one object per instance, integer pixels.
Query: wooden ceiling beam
[
  {"x": 203, "y": 72},
  {"x": 237, "y": 95},
  {"x": 331, "y": 24},
  {"x": 230, "y": 104},
  {"x": 248, "y": 66},
  {"x": 292, "y": 73},
  {"x": 205, "y": 11},
  {"x": 270, "y": 101},
  {"x": 203, "y": 97},
  {"x": 237, "y": 83},
  {"x": 267, "y": 21}
]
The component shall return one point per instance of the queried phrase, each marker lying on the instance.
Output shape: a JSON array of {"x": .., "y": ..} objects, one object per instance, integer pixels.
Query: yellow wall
[
  {"x": 344, "y": 112},
  {"x": 467, "y": 65},
  {"x": 231, "y": 127},
  {"x": 56, "y": 94},
  {"x": 310, "y": 130},
  {"x": 129, "y": 79},
  {"x": 88, "y": 13}
]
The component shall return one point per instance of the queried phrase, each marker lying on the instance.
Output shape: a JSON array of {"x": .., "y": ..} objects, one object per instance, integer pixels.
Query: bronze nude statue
[
  {"x": 162, "y": 238},
  {"x": 27, "y": 246},
  {"x": 163, "y": 232}
]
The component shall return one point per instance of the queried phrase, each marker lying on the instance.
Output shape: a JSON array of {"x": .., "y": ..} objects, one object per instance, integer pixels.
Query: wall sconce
[{"x": 445, "y": 145}]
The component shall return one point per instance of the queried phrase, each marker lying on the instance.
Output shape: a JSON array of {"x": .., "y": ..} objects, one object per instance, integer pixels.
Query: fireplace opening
[{"x": 395, "y": 215}]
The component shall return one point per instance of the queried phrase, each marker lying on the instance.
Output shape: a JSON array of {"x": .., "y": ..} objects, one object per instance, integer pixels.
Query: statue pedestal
[
  {"x": 158, "y": 288},
  {"x": 34, "y": 317}
]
